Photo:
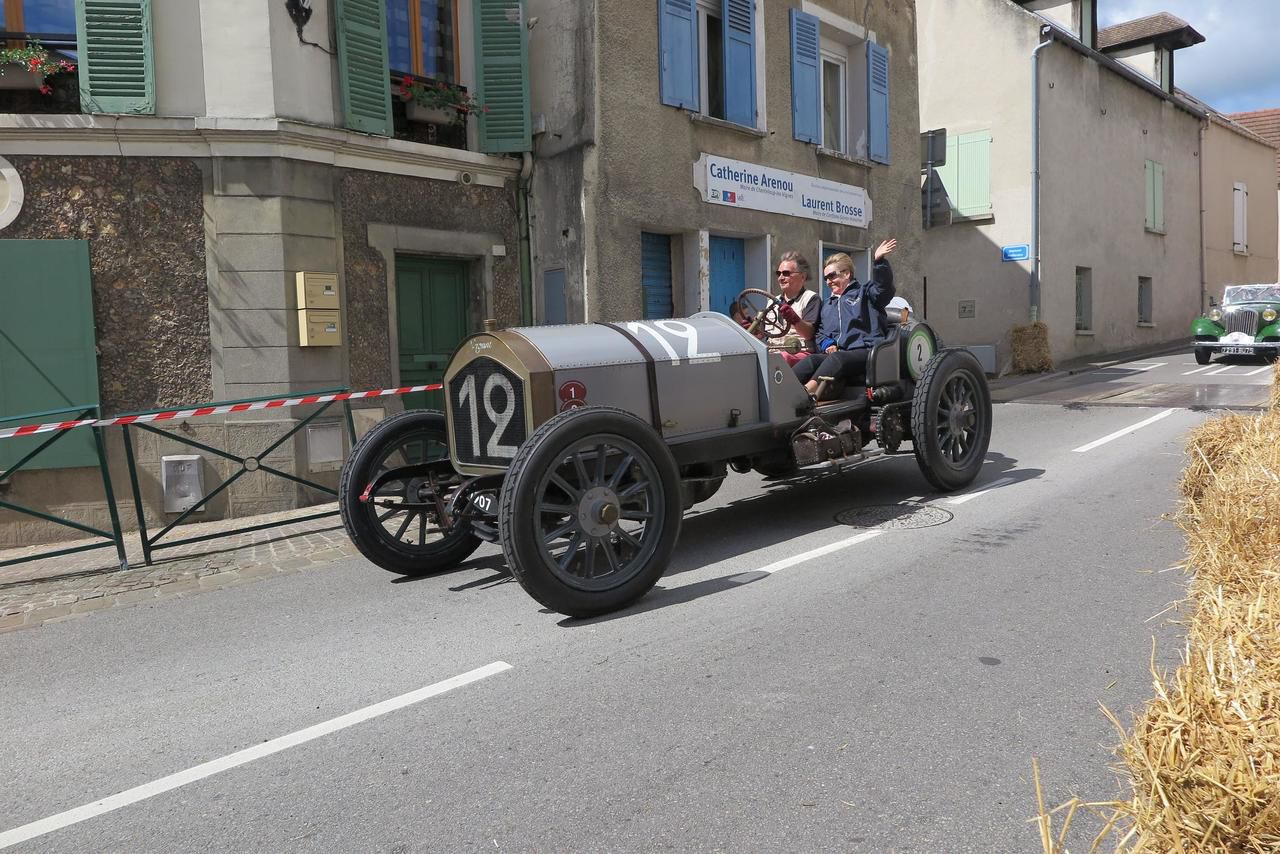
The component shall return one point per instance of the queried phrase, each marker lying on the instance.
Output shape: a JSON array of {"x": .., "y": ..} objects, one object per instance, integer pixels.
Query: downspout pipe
[
  {"x": 526, "y": 260},
  {"x": 1046, "y": 39},
  {"x": 1204, "y": 271}
]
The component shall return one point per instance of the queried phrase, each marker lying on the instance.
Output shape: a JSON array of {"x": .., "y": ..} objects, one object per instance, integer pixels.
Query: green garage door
[{"x": 47, "y": 357}]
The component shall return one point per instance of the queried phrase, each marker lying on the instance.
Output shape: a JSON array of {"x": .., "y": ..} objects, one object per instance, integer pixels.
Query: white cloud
[{"x": 1237, "y": 68}]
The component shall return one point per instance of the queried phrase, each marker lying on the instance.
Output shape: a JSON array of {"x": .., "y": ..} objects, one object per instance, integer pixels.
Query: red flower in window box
[{"x": 34, "y": 57}]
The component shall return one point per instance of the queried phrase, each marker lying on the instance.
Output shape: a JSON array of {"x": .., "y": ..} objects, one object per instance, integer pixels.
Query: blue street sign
[{"x": 1020, "y": 252}]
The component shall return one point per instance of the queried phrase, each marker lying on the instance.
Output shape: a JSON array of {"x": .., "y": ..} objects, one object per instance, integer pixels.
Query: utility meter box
[
  {"x": 318, "y": 310},
  {"x": 182, "y": 481}
]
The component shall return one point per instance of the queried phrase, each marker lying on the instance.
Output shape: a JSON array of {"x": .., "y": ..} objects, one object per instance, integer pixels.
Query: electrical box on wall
[{"x": 319, "y": 311}]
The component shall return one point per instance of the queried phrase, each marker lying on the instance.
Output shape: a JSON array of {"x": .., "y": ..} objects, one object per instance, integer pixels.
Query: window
[
  {"x": 1155, "y": 197},
  {"x": 707, "y": 57},
  {"x": 1240, "y": 218},
  {"x": 39, "y": 16},
  {"x": 835, "y": 99},
  {"x": 967, "y": 174},
  {"x": 839, "y": 89},
  {"x": 422, "y": 38},
  {"x": 1144, "y": 299},
  {"x": 1084, "y": 299}
]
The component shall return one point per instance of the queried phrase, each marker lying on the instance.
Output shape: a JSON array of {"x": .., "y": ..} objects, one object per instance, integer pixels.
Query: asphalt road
[{"x": 794, "y": 684}]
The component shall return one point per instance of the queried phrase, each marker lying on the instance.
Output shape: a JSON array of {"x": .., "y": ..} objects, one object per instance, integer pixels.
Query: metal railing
[
  {"x": 114, "y": 536},
  {"x": 248, "y": 465}
]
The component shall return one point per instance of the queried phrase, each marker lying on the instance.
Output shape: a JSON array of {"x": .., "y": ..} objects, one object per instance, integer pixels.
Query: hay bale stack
[
  {"x": 1204, "y": 755},
  {"x": 1275, "y": 386},
  {"x": 1031, "y": 353}
]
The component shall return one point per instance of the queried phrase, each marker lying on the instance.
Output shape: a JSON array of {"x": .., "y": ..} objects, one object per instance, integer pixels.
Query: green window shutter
[
  {"x": 502, "y": 65},
  {"x": 1157, "y": 192},
  {"x": 1150, "y": 177},
  {"x": 362, "y": 65},
  {"x": 117, "y": 57},
  {"x": 974, "y": 167},
  {"x": 47, "y": 354},
  {"x": 949, "y": 174}
]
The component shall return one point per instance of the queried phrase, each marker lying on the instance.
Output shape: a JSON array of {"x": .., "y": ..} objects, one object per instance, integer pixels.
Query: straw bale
[
  {"x": 1031, "y": 352},
  {"x": 1203, "y": 756},
  {"x": 1275, "y": 386}
]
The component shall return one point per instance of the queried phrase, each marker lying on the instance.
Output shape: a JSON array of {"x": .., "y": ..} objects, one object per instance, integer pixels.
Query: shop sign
[{"x": 748, "y": 185}]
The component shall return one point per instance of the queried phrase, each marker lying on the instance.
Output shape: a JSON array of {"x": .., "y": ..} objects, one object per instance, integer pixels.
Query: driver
[
  {"x": 799, "y": 306},
  {"x": 852, "y": 320}
]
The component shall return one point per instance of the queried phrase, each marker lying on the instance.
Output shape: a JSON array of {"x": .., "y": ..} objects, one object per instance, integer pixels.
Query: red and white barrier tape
[{"x": 34, "y": 429}]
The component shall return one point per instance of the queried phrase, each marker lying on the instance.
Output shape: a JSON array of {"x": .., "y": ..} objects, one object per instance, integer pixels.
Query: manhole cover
[{"x": 894, "y": 517}]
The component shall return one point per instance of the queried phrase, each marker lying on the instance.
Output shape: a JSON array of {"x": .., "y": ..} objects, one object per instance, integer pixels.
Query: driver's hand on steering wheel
[{"x": 788, "y": 313}]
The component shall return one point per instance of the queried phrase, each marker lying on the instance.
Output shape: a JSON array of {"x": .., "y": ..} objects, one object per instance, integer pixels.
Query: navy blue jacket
[{"x": 856, "y": 318}]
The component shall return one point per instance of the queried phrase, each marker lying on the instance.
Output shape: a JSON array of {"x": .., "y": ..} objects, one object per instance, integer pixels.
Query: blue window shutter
[
  {"x": 655, "y": 275},
  {"x": 678, "y": 52},
  {"x": 806, "y": 106},
  {"x": 740, "y": 61},
  {"x": 878, "y": 101}
]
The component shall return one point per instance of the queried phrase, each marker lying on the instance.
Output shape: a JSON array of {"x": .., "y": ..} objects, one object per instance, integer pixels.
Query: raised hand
[{"x": 886, "y": 247}]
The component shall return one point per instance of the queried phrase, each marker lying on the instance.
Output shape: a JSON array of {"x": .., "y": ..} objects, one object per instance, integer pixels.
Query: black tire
[
  {"x": 1203, "y": 355},
  {"x": 367, "y": 522},
  {"x": 630, "y": 512},
  {"x": 951, "y": 420}
]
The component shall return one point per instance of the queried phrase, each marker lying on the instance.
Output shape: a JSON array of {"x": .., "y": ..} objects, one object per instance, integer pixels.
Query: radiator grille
[
  {"x": 1241, "y": 320},
  {"x": 487, "y": 404}
]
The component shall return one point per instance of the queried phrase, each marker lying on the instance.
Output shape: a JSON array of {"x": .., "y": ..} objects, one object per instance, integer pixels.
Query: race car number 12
[{"x": 499, "y": 418}]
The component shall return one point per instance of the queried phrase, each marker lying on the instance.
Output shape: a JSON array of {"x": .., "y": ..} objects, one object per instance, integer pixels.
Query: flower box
[
  {"x": 416, "y": 112},
  {"x": 18, "y": 77}
]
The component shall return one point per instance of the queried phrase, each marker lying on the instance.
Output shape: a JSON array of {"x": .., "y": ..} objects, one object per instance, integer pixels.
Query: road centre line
[
  {"x": 1197, "y": 370},
  {"x": 818, "y": 552},
  {"x": 1123, "y": 432},
  {"x": 969, "y": 496},
  {"x": 242, "y": 757}
]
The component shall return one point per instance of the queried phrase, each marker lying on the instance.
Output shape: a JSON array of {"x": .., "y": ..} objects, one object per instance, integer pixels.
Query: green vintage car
[{"x": 1246, "y": 324}]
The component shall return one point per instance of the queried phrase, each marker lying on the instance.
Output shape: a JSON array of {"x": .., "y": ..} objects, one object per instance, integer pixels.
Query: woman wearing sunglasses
[{"x": 852, "y": 320}]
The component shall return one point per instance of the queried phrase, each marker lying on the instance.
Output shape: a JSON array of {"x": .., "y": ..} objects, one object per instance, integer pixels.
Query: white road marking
[
  {"x": 1260, "y": 370},
  {"x": 1197, "y": 370},
  {"x": 1122, "y": 433},
  {"x": 242, "y": 757},
  {"x": 1147, "y": 366},
  {"x": 969, "y": 496},
  {"x": 818, "y": 552},
  {"x": 1219, "y": 371}
]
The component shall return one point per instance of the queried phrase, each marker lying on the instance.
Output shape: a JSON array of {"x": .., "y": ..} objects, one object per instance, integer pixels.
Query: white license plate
[
  {"x": 1237, "y": 351},
  {"x": 485, "y": 502}
]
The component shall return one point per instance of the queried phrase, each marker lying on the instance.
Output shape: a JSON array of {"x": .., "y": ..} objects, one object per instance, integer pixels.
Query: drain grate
[{"x": 894, "y": 517}]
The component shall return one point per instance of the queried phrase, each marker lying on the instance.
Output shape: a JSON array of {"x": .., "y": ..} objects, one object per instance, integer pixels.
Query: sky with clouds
[{"x": 1237, "y": 67}]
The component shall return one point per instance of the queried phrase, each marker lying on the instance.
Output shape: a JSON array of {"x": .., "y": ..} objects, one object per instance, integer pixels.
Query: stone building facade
[{"x": 246, "y": 158}]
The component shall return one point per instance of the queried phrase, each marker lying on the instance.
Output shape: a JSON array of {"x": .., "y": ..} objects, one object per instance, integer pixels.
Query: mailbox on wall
[{"x": 319, "y": 311}]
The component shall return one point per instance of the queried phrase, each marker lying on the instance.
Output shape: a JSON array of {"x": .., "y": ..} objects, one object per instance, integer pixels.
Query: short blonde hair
[{"x": 841, "y": 262}]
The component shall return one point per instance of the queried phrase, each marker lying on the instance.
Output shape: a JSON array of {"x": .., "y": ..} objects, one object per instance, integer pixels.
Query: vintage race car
[
  {"x": 578, "y": 448},
  {"x": 1246, "y": 324}
]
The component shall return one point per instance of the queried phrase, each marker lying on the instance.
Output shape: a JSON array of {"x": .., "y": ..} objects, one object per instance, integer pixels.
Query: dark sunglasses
[
  {"x": 830, "y": 276},
  {"x": 786, "y": 274}
]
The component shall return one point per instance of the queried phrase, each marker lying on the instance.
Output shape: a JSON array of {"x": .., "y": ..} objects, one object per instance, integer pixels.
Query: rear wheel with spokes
[
  {"x": 395, "y": 493},
  {"x": 590, "y": 511},
  {"x": 951, "y": 419}
]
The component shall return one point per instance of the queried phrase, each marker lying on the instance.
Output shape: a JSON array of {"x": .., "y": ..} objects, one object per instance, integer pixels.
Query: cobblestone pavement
[{"x": 71, "y": 586}]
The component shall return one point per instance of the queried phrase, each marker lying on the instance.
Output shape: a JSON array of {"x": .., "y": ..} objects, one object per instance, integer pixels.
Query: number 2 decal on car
[{"x": 669, "y": 332}]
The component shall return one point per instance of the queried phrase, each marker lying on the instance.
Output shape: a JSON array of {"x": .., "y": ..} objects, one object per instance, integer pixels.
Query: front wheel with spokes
[
  {"x": 395, "y": 492},
  {"x": 590, "y": 511},
  {"x": 951, "y": 419}
]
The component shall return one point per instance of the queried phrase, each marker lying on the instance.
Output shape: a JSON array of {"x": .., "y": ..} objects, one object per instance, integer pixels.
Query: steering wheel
[{"x": 759, "y": 310}]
